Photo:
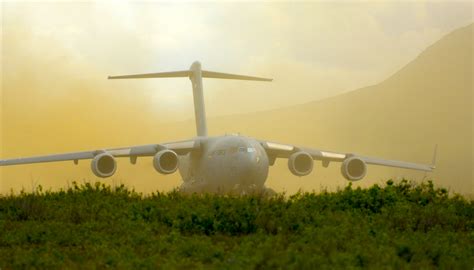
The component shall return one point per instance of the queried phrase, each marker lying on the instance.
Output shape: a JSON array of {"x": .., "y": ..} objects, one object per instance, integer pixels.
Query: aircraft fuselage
[{"x": 225, "y": 164}]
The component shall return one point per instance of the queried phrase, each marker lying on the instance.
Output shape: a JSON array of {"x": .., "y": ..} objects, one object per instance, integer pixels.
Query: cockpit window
[
  {"x": 247, "y": 149},
  {"x": 218, "y": 152}
]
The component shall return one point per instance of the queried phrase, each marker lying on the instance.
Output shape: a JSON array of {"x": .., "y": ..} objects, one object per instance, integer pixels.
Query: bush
[{"x": 401, "y": 225}]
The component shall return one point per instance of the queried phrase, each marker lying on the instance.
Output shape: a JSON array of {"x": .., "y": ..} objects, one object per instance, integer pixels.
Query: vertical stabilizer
[
  {"x": 198, "y": 95},
  {"x": 195, "y": 74}
]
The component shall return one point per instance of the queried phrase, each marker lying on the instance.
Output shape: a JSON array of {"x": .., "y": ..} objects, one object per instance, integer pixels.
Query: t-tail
[{"x": 195, "y": 74}]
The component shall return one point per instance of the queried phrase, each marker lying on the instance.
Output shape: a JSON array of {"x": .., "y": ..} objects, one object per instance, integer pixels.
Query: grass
[{"x": 401, "y": 225}]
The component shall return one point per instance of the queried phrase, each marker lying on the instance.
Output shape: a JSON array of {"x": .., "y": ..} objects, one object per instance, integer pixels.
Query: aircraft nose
[{"x": 250, "y": 169}]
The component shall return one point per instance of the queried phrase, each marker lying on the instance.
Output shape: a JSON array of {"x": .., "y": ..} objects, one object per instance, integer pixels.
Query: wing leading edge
[
  {"x": 180, "y": 147},
  {"x": 278, "y": 150}
]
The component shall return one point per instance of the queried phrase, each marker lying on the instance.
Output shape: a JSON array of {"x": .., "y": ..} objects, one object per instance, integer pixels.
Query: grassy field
[{"x": 399, "y": 225}]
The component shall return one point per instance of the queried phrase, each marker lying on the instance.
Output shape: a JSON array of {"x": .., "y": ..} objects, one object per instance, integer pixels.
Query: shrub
[{"x": 96, "y": 226}]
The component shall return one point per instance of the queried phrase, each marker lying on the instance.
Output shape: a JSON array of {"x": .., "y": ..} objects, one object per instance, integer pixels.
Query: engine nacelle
[
  {"x": 104, "y": 165},
  {"x": 166, "y": 161},
  {"x": 300, "y": 163},
  {"x": 353, "y": 168}
]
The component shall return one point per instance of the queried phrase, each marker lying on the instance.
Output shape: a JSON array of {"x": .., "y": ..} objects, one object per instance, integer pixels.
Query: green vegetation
[{"x": 94, "y": 226}]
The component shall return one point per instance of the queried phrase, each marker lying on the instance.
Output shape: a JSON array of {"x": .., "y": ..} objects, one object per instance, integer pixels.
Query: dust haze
[{"x": 55, "y": 97}]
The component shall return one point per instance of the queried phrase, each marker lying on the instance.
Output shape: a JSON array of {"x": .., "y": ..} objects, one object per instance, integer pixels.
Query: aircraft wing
[
  {"x": 180, "y": 147},
  {"x": 278, "y": 150}
]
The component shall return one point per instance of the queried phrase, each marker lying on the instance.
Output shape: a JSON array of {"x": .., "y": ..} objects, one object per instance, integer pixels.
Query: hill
[{"x": 400, "y": 226}]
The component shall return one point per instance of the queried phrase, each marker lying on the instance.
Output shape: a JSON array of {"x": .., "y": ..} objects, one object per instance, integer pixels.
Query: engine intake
[
  {"x": 104, "y": 165},
  {"x": 300, "y": 163},
  {"x": 353, "y": 168},
  {"x": 165, "y": 161}
]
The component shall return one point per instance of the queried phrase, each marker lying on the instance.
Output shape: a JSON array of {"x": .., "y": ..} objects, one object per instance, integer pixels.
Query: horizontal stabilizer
[
  {"x": 172, "y": 74},
  {"x": 189, "y": 73},
  {"x": 219, "y": 75}
]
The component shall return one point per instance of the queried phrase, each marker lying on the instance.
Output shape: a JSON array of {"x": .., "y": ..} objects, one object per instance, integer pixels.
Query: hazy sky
[{"x": 311, "y": 49}]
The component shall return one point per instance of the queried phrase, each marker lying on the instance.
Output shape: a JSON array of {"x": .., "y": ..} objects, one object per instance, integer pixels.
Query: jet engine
[
  {"x": 165, "y": 161},
  {"x": 300, "y": 163},
  {"x": 104, "y": 165},
  {"x": 353, "y": 168}
]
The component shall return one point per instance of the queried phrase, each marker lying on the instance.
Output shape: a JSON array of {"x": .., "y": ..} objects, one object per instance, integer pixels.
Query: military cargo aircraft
[{"x": 219, "y": 164}]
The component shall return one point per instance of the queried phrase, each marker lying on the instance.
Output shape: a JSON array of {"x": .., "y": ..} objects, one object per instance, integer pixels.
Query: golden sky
[
  {"x": 311, "y": 49},
  {"x": 56, "y": 57}
]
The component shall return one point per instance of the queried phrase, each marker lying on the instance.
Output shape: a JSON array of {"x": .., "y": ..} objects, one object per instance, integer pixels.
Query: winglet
[{"x": 433, "y": 162}]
